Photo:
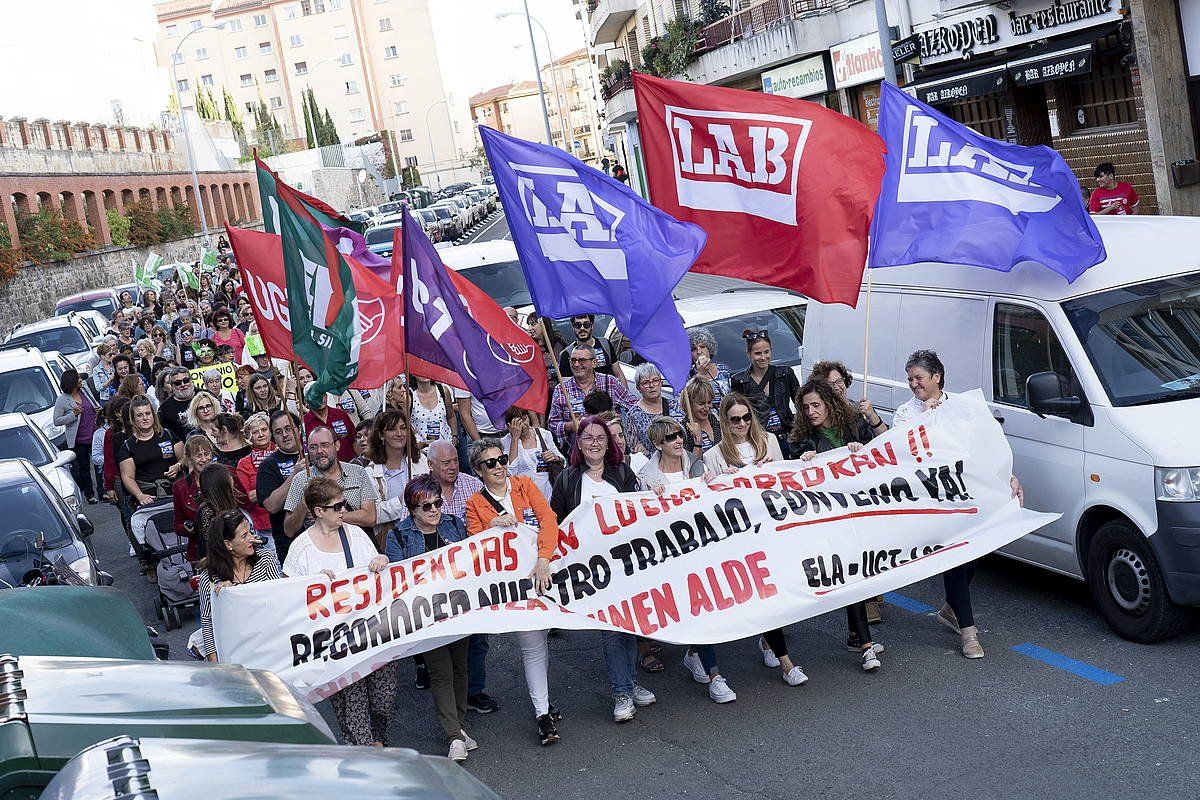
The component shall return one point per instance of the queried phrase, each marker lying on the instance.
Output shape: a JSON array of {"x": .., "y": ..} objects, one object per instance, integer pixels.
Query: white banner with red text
[{"x": 703, "y": 563}]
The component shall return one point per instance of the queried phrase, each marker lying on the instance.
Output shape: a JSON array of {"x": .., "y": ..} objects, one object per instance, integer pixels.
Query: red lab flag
[{"x": 784, "y": 188}]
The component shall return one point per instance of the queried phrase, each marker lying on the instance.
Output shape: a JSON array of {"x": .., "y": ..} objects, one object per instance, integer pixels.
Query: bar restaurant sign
[{"x": 970, "y": 33}]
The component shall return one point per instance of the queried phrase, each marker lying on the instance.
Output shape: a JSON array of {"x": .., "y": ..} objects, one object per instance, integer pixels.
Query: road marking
[
  {"x": 908, "y": 603},
  {"x": 1059, "y": 661},
  {"x": 490, "y": 225}
]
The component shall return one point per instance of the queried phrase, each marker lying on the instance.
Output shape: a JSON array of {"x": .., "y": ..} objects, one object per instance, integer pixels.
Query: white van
[{"x": 1095, "y": 384}]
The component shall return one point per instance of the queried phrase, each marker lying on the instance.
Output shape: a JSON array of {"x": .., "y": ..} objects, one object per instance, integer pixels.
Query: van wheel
[{"x": 1127, "y": 584}]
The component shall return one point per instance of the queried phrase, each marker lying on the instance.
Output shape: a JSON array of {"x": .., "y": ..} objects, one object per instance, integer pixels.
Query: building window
[
  {"x": 249, "y": 108},
  {"x": 239, "y": 53},
  {"x": 295, "y": 40},
  {"x": 346, "y": 59},
  {"x": 172, "y": 31},
  {"x": 291, "y": 12},
  {"x": 182, "y": 84},
  {"x": 983, "y": 114},
  {"x": 247, "y": 80},
  {"x": 334, "y": 5},
  {"x": 385, "y": 24},
  {"x": 176, "y": 57},
  {"x": 351, "y": 87},
  {"x": 339, "y": 32},
  {"x": 357, "y": 115},
  {"x": 201, "y": 53},
  {"x": 398, "y": 79},
  {"x": 264, "y": 48},
  {"x": 260, "y": 20},
  {"x": 234, "y": 26},
  {"x": 405, "y": 134},
  {"x": 391, "y": 52},
  {"x": 1102, "y": 98},
  {"x": 271, "y": 76},
  {"x": 410, "y": 161},
  {"x": 310, "y": 7},
  {"x": 632, "y": 53},
  {"x": 206, "y": 80},
  {"x": 301, "y": 67},
  {"x": 276, "y": 102},
  {"x": 401, "y": 106},
  {"x": 197, "y": 24}
]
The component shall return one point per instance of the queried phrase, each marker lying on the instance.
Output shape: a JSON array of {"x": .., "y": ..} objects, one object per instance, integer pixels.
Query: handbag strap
[
  {"x": 346, "y": 547},
  {"x": 496, "y": 504}
]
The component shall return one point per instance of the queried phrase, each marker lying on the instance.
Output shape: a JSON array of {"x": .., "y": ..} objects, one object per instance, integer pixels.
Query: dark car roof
[{"x": 90, "y": 295}]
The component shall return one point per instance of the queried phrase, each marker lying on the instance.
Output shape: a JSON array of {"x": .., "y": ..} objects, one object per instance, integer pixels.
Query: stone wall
[
  {"x": 31, "y": 295},
  {"x": 338, "y": 186}
]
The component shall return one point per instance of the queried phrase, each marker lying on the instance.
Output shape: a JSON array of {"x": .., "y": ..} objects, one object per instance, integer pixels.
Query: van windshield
[{"x": 1144, "y": 340}]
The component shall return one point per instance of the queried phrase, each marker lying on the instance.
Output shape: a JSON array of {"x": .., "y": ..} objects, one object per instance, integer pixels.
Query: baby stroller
[{"x": 154, "y": 529}]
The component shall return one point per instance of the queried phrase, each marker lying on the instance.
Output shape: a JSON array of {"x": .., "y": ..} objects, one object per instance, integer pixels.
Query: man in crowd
[
  {"x": 321, "y": 414},
  {"x": 1110, "y": 195},
  {"x": 323, "y": 461},
  {"x": 567, "y": 405},
  {"x": 602, "y": 349},
  {"x": 172, "y": 412},
  {"x": 275, "y": 474}
]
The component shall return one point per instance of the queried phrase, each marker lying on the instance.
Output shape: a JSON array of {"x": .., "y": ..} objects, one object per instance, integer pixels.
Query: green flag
[
  {"x": 320, "y": 286},
  {"x": 146, "y": 275},
  {"x": 188, "y": 278},
  {"x": 208, "y": 260}
]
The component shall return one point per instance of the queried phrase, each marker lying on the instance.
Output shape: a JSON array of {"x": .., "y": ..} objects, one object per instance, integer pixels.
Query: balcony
[
  {"x": 619, "y": 106},
  {"x": 606, "y": 18}
]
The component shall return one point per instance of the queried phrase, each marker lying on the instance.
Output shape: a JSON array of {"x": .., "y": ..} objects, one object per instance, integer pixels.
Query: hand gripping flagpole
[{"x": 402, "y": 232}]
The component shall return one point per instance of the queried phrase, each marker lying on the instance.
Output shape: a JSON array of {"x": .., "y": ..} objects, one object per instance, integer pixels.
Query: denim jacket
[{"x": 404, "y": 541}]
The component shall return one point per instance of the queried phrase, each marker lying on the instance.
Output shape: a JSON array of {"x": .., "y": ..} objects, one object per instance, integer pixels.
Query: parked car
[
  {"x": 38, "y": 527},
  {"x": 379, "y": 237},
  {"x": 102, "y": 300},
  {"x": 431, "y": 224},
  {"x": 358, "y": 216},
  {"x": 463, "y": 209},
  {"x": 455, "y": 188},
  {"x": 67, "y": 704},
  {"x": 29, "y": 384},
  {"x": 450, "y": 220},
  {"x": 171, "y": 768},
  {"x": 20, "y": 437},
  {"x": 69, "y": 334},
  {"x": 481, "y": 195},
  {"x": 390, "y": 207}
]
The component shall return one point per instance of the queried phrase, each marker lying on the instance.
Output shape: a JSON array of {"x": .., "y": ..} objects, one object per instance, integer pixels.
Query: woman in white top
[
  {"x": 365, "y": 708},
  {"x": 531, "y": 450},
  {"x": 926, "y": 377},
  {"x": 432, "y": 411},
  {"x": 395, "y": 459}
]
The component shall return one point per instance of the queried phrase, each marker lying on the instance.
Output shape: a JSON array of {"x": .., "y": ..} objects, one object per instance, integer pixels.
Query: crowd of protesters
[{"x": 263, "y": 484}]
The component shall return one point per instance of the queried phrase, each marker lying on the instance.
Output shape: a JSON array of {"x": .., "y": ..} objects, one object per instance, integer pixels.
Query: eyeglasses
[
  {"x": 750, "y": 336},
  {"x": 651, "y": 382},
  {"x": 579, "y": 326},
  {"x": 337, "y": 507},
  {"x": 837, "y": 382},
  {"x": 431, "y": 505},
  {"x": 583, "y": 360},
  {"x": 490, "y": 463},
  {"x": 670, "y": 437},
  {"x": 744, "y": 419},
  {"x": 593, "y": 439}
]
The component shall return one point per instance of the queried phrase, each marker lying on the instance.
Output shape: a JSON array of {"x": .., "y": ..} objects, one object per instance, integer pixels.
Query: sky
[{"x": 69, "y": 59}]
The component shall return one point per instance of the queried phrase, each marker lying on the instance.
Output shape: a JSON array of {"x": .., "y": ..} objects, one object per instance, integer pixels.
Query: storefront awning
[
  {"x": 1052, "y": 66},
  {"x": 979, "y": 83}
]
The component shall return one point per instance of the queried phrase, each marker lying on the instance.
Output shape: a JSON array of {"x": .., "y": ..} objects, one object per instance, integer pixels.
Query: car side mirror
[
  {"x": 86, "y": 528},
  {"x": 64, "y": 458},
  {"x": 1047, "y": 393}
]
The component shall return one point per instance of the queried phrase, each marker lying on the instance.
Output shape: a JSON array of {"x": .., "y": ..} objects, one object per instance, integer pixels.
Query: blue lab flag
[
  {"x": 952, "y": 195},
  {"x": 589, "y": 245}
]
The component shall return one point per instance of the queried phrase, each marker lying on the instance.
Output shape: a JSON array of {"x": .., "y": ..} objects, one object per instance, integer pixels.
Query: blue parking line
[
  {"x": 1058, "y": 660},
  {"x": 908, "y": 603}
]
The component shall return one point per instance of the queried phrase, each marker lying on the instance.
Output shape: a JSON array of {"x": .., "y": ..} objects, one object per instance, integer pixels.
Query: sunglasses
[
  {"x": 582, "y": 360},
  {"x": 490, "y": 463},
  {"x": 670, "y": 437},
  {"x": 431, "y": 505},
  {"x": 337, "y": 507},
  {"x": 750, "y": 336},
  {"x": 744, "y": 419},
  {"x": 580, "y": 325},
  {"x": 181, "y": 382}
]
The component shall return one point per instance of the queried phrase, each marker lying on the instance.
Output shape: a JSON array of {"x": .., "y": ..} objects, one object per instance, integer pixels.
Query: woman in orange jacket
[{"x": 504, "y": 502}]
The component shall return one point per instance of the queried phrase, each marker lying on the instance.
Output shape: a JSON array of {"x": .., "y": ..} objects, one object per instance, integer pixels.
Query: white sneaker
[
  {"x": 692, "y": 662},
  {"x": 471, "y": 743},
  {"x": 795, "y": 677},
  {"x": 643, "y": 696},
  {"x": 870, "y": 659},
  {"x": 458, "y": 751},
  {"x": 623, "y": 708},
  {"x": 768, "y": 656},
  {"x": 719, "y": 691}
]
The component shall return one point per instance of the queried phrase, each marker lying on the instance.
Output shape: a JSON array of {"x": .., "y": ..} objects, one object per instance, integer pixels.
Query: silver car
[{"x": 20, "y": 437}]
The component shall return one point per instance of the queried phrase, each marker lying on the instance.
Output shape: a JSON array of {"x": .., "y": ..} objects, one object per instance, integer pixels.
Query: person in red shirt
[
  {"x": 337, "y": 420},
  {"x": 1110, "y": 195}
]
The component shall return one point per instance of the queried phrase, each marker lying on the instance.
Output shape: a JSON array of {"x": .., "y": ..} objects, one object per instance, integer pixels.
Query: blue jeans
[
  {"x": 476, "y": 669},
  {"x": 708, "y": 656},
  {"x": 620, "y": 656}
]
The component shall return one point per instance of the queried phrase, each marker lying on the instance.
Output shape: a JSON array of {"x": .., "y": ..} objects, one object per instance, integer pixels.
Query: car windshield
[
  {"x": 427, "y": 216},
  {"x": 26, "y": 390},
  {"x": 28, "y": 512},
  {"x": 388, "y": 208},
  {"x": 503, "y": 282},
  {"x": 102, "y": 304},
  {"x": 22, "y": 442},
  {"x": 785, "y": 326},
  {"x": 1144, "y": 340},
  {"x": 66, "y": 339},
  {"x": 443, "y": 212},
  {"x": 380, "y": 234}
]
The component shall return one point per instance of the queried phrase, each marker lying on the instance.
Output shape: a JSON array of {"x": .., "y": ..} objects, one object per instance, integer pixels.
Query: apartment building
[{"x": 372, "y": 63}]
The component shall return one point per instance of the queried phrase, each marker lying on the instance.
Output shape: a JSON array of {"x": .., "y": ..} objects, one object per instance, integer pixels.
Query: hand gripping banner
[{"x": 704, "y": 563}]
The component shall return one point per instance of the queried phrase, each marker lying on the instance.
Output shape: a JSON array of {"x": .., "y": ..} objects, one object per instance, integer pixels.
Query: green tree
[
  {"x": 174, "y": 222},
  {"x": 713, "y": 10},
  {"x": 206, "y": 105},
  {"x": 410, "y": 177},
  {"x": 145, "y": 228},
  {"x": 330, "y": 130},
  {"x": 231, "y": 112},
  {"x": 267, "y": 132},
  {"x": 118, "y": 227}
]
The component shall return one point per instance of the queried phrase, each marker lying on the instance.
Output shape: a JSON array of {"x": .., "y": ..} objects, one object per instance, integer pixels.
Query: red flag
[{"x": 784, "y": 188}]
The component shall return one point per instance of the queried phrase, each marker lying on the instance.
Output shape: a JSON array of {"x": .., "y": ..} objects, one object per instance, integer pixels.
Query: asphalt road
[{"x": 930, "y": 724}]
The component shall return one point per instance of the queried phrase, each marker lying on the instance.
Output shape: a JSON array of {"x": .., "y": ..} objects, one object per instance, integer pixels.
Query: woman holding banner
[
  {"x": 598, "y": 469},
  {"x": 702, "y": 428},
  {"x": 232, "y": 560},
  {"x": 827, "y": 422},
  {"x": 504, "y": 502}
]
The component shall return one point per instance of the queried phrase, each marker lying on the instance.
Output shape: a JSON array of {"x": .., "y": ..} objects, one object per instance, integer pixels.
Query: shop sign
[
  {"x": 970, "y": 33},
  {"x": 802, "y": 78},
  {"x": 857, "y": 61},
  {"x": 1077, "y": 61},
  {"x": 907, "y": 49}
]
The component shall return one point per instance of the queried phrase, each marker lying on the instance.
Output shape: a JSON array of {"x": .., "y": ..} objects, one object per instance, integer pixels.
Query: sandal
[{"x": 650, "y": 663}]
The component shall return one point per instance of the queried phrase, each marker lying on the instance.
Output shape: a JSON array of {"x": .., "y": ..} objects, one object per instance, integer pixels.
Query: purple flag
[{"x": 439, "y": 328}]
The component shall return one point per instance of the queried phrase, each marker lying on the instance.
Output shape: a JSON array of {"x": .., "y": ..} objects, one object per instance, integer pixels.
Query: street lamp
[
  {"x": 558, "y": 93},
  {"x": 537, "y": 69},
  {"x": 429, "y": 132},
  {"x": 191, "y": 157}
]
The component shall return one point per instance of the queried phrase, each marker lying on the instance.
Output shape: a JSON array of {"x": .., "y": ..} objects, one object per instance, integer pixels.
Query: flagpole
[
  {"x": 554, "y": 364},
  {"x": 867, "y": 337},
  {"x": 412, "y": 457}
]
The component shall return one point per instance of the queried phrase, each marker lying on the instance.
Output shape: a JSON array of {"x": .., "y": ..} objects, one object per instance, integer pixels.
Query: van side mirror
[
  {"x": 1046, "y": 393},
  {"x": 86, "y": 528}
]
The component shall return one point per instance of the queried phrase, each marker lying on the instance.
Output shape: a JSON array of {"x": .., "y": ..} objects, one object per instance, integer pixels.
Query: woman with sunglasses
[
  {"x": 598, "y": 469},
  {"x": 202, "y": 414},
  {"x": 770, "y": 389},
  {"x": 170, "y": 311},
  {"x": 743, "y": 440},
  {"x": 702, "y": 426},
  {"x": 506, "y": 501},
  {"x": 444, "y": 669},
  {"x": 365, "y": 708},
  {"x": 162, "y": 344},
  {"x": 232, "y": 560}
]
